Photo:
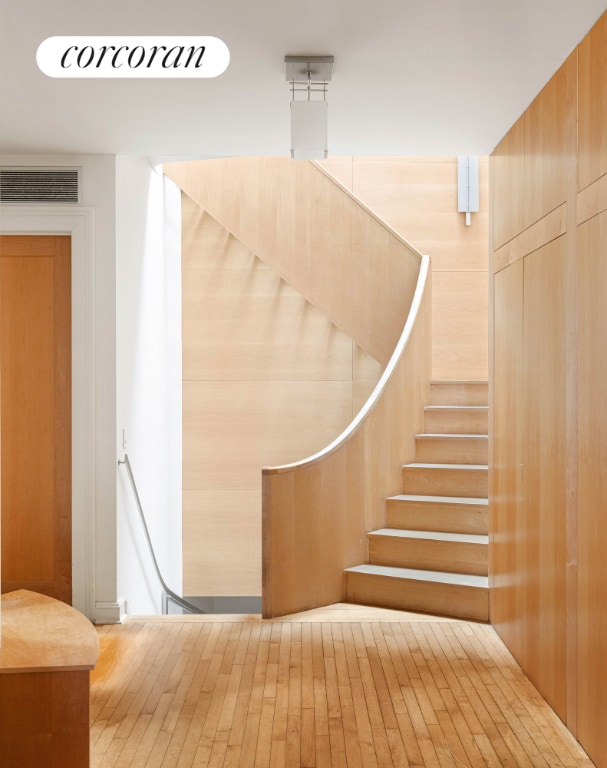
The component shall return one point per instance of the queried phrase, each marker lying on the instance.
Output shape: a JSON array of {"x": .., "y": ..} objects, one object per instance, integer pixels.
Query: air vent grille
[{"x": 48, "y": 186}]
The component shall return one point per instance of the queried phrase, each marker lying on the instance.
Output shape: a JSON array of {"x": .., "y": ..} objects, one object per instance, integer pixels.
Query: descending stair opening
[{"x": 433, "y": 555}]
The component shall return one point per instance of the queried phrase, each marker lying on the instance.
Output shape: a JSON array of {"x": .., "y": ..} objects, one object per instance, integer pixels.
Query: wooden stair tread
[
  {"x": 474, "y": 408},
  {"x": 474, "y": 392},
  {"x": 446, "y": 466},
  {"x": 440, "y": 499},
  {"x": 462, "y": 538},
  {"x": 453, "y": 435},
  {"x": 438, "y": 577},
  {"x": 458, "y": 382}
]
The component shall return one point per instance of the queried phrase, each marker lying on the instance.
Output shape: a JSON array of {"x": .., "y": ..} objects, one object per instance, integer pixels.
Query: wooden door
[{"x": 35, "y": 408}]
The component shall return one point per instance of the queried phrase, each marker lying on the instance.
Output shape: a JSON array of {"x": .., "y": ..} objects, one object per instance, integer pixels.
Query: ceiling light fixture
[{"x": 309, "y": 77}]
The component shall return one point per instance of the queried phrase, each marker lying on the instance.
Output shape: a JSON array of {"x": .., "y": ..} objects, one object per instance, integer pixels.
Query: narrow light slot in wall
[{"x": 467, "y": 186}]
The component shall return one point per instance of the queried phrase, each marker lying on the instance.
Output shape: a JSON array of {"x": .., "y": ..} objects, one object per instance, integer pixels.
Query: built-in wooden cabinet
[
  {"x": 529, "y": 514},
  {"x": 549, "y": 408}
]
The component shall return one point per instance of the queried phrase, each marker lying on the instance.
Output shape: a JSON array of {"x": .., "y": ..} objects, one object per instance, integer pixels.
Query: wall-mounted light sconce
[
  {"x": 309, "y": 77},
  {"x": 467, "y": 186}
]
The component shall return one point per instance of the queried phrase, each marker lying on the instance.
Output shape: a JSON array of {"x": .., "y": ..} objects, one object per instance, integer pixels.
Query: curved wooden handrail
[
  {"x": 374, "y": 397},
  {"x": 316, "y": 512}
]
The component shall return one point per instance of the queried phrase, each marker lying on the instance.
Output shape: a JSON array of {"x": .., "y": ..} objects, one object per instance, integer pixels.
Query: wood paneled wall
[
  {"x": 417, "y": 196},
  {"x": 316, "y": 514},
  {"x": 332, "y": 250},
  {"x": 549, "y": 430},
  {"x": 267, "y": 379}
]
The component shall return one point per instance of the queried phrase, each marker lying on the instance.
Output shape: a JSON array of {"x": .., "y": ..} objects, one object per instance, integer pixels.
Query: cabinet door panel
[
  {"x": 507, "y": 598},
  {"x": 35, "y": 351},
  {"x": 545, "y": 471}
]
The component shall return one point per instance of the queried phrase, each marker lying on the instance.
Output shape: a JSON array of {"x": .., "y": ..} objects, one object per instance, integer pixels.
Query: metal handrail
[{"x": 185, "y": 604}]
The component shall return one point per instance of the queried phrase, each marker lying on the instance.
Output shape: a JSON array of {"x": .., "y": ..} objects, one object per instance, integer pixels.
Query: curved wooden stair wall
[
  {"x": 317, "y": 236},
  {"x": 317, "y": 513}
]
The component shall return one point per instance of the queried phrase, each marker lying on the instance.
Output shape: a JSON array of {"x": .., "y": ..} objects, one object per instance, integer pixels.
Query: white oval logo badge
[{"x": 138, "y": 56}]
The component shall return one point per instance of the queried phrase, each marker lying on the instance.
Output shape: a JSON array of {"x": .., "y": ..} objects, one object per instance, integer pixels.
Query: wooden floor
[{"x": 337, "y": 687}]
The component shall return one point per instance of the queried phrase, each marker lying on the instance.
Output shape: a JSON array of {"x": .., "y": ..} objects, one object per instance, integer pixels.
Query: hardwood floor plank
[
  {"x": 363, "y": 724},
  {"x": 338, "y": 746},
  {"x": 350, "y": 653},
  {"x": 318, "y": 694},
  {"x": 308, "y": 739},
  {"x": 323, "y": 751},
  {"x": 333, "y": 703},
  {"x": 293, "y": 751},
  {"x": 249, "y": 741},
  {"x": 264, "y": 737},
  {"x": 321, "y": 715},
  {"x": 307, "y": 668},
  {"x": 350, "y": 730},
  {"x": 245, "y": 691},
  {"x": 281, "y": 710}
]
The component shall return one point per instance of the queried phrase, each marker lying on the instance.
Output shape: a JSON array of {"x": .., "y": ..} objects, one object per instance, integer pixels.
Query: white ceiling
[{"x": 411, "y": 77}]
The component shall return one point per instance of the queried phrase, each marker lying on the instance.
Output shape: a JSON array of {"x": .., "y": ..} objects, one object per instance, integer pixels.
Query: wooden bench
[{"x": 47, "y": 651}]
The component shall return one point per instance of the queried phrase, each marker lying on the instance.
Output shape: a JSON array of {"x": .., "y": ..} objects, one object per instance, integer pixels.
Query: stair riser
[
  {"x": 451, "y": 450},
  {"x": 408, "y": 595},
  {"x": 459, "y": 393},
  {"x": 457, "y": 421},
  {"x": 421, "y": 554},
  {"x": 424, "y": 481},
  {"x": 424, "y": 516}
]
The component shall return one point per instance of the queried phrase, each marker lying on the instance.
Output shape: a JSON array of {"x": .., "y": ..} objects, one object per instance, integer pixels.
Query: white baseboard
[{"x": 110, "y": 612}]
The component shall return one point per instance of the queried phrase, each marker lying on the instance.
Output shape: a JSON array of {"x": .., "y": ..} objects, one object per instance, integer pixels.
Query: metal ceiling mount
[{"x": 316, "y": 69}]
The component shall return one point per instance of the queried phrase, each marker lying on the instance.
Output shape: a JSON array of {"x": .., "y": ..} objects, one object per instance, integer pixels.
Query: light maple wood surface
[
  {"x": 307, "y": 693},
  {"x": 459, "y": 392},
  {"x": 592, "y": 200},
  {"x": 592, "y": 488},
  {"x": 543, "y": 537},
  {"x": 550, "y": 139},
  {"x": 530, "y": 555},
  {"x": 429, "y": 553},
  {"x": 316, "y": 512},
  {"x": 592, "y": 107},
  {"x": 266, "y": 377},
  {"x": 417, "y": 196},
  {"x": 35, "y": 327},
  {"x": 322, "y": 242},
  {"x": 450, "y": 419},
  {"x": 508, "y": 185},
  {"x": 547, "y": 435},
  {"x": 507, "y": 512},
  {"x": 543, "y": 231}
]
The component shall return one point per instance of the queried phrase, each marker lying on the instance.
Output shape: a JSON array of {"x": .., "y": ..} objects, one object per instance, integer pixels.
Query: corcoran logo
[{"x": 139, "y": 56}]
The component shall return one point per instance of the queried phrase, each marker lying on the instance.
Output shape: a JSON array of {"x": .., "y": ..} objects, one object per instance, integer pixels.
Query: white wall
[
  {"x": 148, "y": 309},
  {"x": 127, "y": 374}
]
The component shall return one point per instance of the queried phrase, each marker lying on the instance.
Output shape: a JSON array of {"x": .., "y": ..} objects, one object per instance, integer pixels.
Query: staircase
[{"x": 432, "y": 557}]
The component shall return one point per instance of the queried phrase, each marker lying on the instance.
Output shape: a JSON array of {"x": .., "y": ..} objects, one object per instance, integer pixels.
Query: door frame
[{"x": 78, "y": 223}]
